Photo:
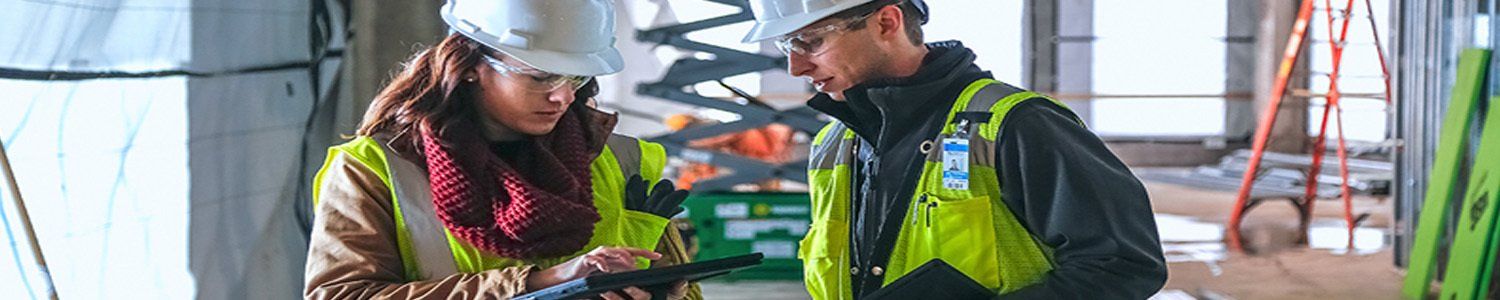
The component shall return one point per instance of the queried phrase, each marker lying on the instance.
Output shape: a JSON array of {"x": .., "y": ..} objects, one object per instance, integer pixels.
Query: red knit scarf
[{"x": 538, "y": 203}]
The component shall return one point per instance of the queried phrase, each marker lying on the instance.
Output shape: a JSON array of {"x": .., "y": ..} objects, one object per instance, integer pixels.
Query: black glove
[{"x": 665, "y": 200}]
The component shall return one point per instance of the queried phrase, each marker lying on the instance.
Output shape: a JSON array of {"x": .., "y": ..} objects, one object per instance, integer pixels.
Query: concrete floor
[
  {"x": 1192, "y": 223},
  {"x": 1279, "y": 269}
]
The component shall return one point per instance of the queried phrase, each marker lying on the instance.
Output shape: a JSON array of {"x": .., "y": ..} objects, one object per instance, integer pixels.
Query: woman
[{"x": 477, "y": 173}]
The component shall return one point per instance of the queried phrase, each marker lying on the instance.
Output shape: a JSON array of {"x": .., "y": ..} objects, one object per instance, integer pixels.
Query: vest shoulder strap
[
  {"x": 363, "y": 149},
  {"x": 637, "y": 157},
  {"x": 829, "y": 134},
  {"x": 831, "y": 147},
  {"x": 998, "y": 98},
  {"x": 992, "y": 92},
  {"x": 627, "y": 152}
]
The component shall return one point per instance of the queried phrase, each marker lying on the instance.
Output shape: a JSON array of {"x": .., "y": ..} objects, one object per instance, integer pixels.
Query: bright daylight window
[
  {"x": 1360, "y": 76},
  {"x": 1173, "y": 47}
]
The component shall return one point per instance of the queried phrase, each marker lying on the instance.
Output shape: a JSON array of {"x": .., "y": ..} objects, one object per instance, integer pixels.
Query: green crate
[{"x": 728, "y": 224}]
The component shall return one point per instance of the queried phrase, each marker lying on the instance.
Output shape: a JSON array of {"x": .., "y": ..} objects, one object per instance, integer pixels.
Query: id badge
[{"x": 956, "y": 163}]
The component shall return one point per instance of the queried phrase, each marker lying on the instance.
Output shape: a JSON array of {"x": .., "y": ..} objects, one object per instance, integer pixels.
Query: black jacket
[{"x": 1058, "y": 178}]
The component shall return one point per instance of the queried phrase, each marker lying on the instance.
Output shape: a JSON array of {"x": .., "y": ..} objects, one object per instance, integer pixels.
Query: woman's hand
[
  {"x": 631, "y": 293},
  {"x": 664, "y": 200},
  {"x": 679, "y": 290},
  {"x": 600, "y": 260}
]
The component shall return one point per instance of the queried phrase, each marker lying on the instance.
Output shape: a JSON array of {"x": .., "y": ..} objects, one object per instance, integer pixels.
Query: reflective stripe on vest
[
  {"x": 940, "y": 223},
  {"x": 428, "y": 250}
]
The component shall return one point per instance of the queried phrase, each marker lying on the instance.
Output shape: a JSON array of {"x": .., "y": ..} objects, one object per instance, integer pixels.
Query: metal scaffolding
[
  {"x": 724, "y": 63},
  {"x": 1428, "y": 37}
]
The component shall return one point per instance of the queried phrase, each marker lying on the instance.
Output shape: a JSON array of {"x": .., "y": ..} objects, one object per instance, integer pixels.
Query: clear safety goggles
[
  {"x": 539, "y": 81},
  {"x": 810, "y": 42}
]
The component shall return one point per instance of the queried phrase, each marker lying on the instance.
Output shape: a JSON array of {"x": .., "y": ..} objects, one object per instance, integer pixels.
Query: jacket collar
[{"x": 871, "y": 106}]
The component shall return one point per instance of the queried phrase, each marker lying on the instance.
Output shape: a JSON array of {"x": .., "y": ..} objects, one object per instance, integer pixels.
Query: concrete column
[
  {"x": 1290, "y": 132},
  {"x": 1039, "y": 41},
  {"x": 1059, "y": 43},
  {"x": 1075, "y": 54},
  {"x": 386, "y": 33},
  {"x": 1242, "y": 23},
  {"x": 245, "y": 133}
]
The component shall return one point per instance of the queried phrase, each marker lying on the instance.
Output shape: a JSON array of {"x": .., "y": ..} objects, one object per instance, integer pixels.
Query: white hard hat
[
  {"x": 569, "y": 37},
  {"x": 775, "y": 18}
]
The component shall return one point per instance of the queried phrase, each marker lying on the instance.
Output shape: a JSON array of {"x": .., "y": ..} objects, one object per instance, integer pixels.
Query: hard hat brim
[
  {"x": 783, "y": 26},
  {"x": 579, "y": 64},
  {"x": 603, "y": 62}
]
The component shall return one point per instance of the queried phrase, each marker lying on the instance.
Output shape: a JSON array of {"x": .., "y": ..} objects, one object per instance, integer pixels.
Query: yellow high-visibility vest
[
  {"x": 971, "y": 229},
  {"x": 428, "y": 250}
]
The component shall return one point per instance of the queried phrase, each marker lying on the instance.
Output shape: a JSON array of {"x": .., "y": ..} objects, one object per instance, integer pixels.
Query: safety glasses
[
  {"x": 539, "y": 81},
  {"x": 810, "y": 42}
]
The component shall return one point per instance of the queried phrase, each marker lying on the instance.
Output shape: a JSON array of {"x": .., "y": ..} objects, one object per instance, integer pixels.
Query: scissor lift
[{"x": 753, "y": 113}]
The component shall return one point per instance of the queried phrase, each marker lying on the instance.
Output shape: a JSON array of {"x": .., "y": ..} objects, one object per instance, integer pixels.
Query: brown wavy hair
[{"x": 430, "y": 92}]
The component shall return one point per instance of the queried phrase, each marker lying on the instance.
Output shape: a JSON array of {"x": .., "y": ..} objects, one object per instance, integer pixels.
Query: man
[{"x": 1035, "y": 206}]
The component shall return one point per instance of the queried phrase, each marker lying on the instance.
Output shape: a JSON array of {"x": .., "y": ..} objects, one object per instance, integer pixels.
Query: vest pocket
[
  {"x": 822, "y": 253},
  {"x": 962, "y": 233}
]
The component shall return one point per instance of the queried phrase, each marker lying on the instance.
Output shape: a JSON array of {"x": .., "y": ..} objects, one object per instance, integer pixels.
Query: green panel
[
  {"x": 1473, "y": 251},
  {"x": 728, "y": 224},
  {"x": 1445, "y": 170}
]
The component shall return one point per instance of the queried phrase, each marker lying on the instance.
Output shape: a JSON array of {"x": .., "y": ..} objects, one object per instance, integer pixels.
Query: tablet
[
  {"x": 590, "y": 287},
  {"x": 935, "y": 279}
]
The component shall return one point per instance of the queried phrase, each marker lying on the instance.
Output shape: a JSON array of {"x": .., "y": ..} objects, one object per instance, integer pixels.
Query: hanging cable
[
  {"x": 54, "y": 75},
  {"x": 320, "y": 35}
]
